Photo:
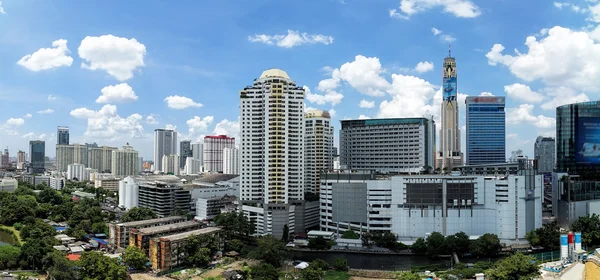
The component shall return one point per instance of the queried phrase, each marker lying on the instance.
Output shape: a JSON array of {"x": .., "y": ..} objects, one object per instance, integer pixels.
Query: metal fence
[{"x": 547, "y": 256}]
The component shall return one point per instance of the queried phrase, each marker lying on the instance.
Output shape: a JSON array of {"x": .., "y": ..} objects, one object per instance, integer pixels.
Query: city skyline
[{"x": 189, "y": 80}]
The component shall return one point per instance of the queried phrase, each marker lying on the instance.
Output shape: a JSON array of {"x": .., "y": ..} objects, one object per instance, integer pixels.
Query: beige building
[
  {"x": 125, "y": 162},
  {"x": 107, "y": 184},
  {"x": 318, "y": 148}
]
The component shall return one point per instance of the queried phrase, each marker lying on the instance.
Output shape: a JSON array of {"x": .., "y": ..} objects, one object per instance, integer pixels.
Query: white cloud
[
  {"x": 291, "y": 39},
  {"x": 48, "y": 58},
  {"x": 119, "y": 57},
  {"x": 197, "y": 124},
  {"x": 363, "y": 117},
  {"x": 35, "y": 136},
  {"x": 117, "y": 93},
  {"x": 436, "y": 31},
  {"x": 331, "y": 96},
  {"x": 523, "y": 92},
  {"x": 170, "y": 127},
  {"x": 562, "y": 96},
  {"x": 47, "y": 111},
  {"x": 458, "y": 8},
  {"x": 181, "y": 102},
  {"x": 485, "y": 93},
  {"x": 424, "y": 66},
  {"x": 28, "y": 116},
  {"x": 151, "y": 120},
  {"x": 366, "y": 104},
  {"x": 523, "y": 114},
  {"x": 227, "y": 127},
  {"x": 15, "y": 122},
  {"x": 363, "y": 74},
  {"x": 332, "y": 113},
  {"x": 444, "y": 37},
  {"x": 1, "y": 9},
  {"x": 411, "y": 97},
  {"x": 51, "y": 97},
  {"x": 107, "y": 124},
  {"x": 573, "y": 7}
]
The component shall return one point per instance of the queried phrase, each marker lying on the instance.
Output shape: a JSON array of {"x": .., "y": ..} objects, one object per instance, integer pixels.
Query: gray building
[
  {"x": 62, "y": 135},
  {"x": 198, "y": 152},
  {"x": 165, "y": 143},
  {"x": 165, "y": 199},
  {"x": 544, "y": 153},
  {"x": 37, "y": 152},
  {"x": 387, "y": 145},
  {"x": 185, "y": 151}
]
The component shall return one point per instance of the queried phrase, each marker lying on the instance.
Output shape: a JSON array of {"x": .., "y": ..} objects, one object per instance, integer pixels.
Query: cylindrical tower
[
  {"x": 564, "y": 246},
  {"x": 121, "y": 193},
  {"x": 571, "y": 244},
  {"x": 129, "y": 196},
  {"x": 578, "y": 241},
  {"x": 135, "y": 197}
]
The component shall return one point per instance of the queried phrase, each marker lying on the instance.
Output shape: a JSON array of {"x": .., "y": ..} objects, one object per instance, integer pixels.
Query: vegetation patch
[{"x": 16, "y": 236}]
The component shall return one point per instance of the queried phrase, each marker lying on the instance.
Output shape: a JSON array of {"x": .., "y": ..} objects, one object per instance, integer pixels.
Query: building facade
[
  {"x": 387, "y": 145},
  {"x": 231, "y": 161},
  {"x": 544, "y": 153},
  {"x": 62, "y": 135},
  {"x": 164, "y": 199},
  {"x": 5, "y": 159},
  {"x": 578, "y": 138},
  {"x": 318, "y": 148},
  {"x": 198, "y": 152},
  {"x": 213, "y": 151},
  {"x": 486, "y": 129},
  {"x": 170, "y": 164},
  {"x": 128, "y": 193},
  {"x": 125, "y": 162},
  {"x": 165, "y": 143},
  {"x": 8, "y": 184},
  {"x": 21, "y": 160},
  {"x": 100, "y": 158},
  {"x": 185, "y": 151},
  {"x": 449, "y": 154},
  {"x": 37, "y": 152},
  {"x": 76, "y": 171},
  {"x": 272, "y": 145},
  {"x": 193, "y": 166}
]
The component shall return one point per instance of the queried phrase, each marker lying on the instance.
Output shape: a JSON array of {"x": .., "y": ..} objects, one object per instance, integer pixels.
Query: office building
[
  {"x": 213, "y": 151},
  {"x": 185, "y": 151},
  {"x": 415, "y": 206},
  {"x": 21, "y": 159},
  {"x": 449, "y": 154},
  {"x": 76, "y": 171},
  {"x": 544, "y": 153},
  {"x": 387, "y": 145},
  {"x": 37, "y": 152},
  {"x": 318, "y": 148},
  {"x": 231, "y": 161},
  {"x": 165, "y": 199},
  {"x": 193, "y": 166},
  {"x": 170, "y": 164},
  {"x": 578, "y": 138},
  {"x": 165, "y": 143},
  {"x": 198, "y": 152},
  {"x": 125, "y": 162},
  {"x": 272, "y": 158},
  {"x": 486, "y": 130},
  {"x": 62, "y": 135},
  {"x": 5, "y": 159}
]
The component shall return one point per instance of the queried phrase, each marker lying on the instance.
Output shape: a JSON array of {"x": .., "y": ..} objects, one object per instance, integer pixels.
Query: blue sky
[{"x": 113, "y": 71}]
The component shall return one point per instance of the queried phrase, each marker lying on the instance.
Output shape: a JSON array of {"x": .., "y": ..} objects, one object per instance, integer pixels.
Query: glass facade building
[
  {"x": 578, "y": 138},
  {"x": 486, "y": 130},
  {"x": 37, "y": 154}
]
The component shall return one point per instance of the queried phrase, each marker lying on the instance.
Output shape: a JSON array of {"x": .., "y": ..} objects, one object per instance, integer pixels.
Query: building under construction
[
  {"x": 140, "y": 237},
  {"x": 167, "y": 252},
  {"x": 119, "y": 233}
]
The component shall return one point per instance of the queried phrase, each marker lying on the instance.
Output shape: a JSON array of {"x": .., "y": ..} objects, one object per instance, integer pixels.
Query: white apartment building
[
  {"x": 57, "y": 183},
  {"x": 318, "y": 148},
  {"x": 21, "y": 160},
  {"x": 170, "y": 164},
  {"x": 231, "y": 161},
  {"x": 165, "y": 143},
  {"x": 100, "y": 158},
  {"x": 125, "y": 162},
  {"x": 193, "y": 166},
  {"x": 76, "y": 170},
  {"x": 213, "y": 151},
  {"x": 272, "y": 158},
  {"x": 128, "y": 193},
  {"x": 8, "y": 185},
  {"x": 198, "y": 152},
  {"x": 414, "y": 206}
]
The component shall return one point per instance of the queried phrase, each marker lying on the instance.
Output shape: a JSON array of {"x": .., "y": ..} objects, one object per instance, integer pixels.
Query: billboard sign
[
  {"x": 587, "y": 140},
  {"x": 449, "y": 89},
  {"x": 486, "y": 99}
]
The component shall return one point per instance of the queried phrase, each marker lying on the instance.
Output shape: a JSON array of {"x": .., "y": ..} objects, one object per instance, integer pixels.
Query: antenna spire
[{"x": 449, "y": 50}]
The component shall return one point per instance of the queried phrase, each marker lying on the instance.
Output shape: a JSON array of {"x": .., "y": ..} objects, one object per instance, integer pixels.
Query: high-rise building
[
  {"x": 125, "y": 162},
  {"x": 5, "y": 160},
  {"x": 21, "y": 159},
  {"x": 449, "y": 149},
  {"x": 578, "y": 138},
  {"x": 272, "y": 144},
  {"x": 37, "y": 152},
  {"x": 69, "y": 154},
  {"x": 165, "y": 143},
  {"x": 62, "y": 135},
  {"x": 192, "y": 166},
  {"x": 76, "y": 171},
  {"x": 185, "y": 151},
  {"x": 387, "y": 145},
  {"x": 100, "y": 158},
  {"x": 198, "y": 152},
  {"x": 486, "y": 130},
  {"x": 318, "y": 148},
  {"x": 213, "y": 151},
  {"x": 170, "y": 164},
  {"x": 544, "y": 153},
  {"x": 140, "y": 164},
  {"x": 231, "y": 161}
]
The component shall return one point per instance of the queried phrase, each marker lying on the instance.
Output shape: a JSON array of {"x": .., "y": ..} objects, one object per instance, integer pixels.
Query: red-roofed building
[{"x": 73, "y": 257}]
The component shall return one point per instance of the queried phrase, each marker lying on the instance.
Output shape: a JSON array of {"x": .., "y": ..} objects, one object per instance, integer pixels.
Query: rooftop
[
  {"x": 167, "y": 228},
  {"x": 219, "y": 137},
  {"x": 216, "y": 177},
  {"x": 184, "y": 235},
  {"x": 273, "y": 72},
  {"x": 152, "y": 221}
]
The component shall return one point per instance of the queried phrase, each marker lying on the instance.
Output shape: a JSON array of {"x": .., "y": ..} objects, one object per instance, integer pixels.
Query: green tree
[
  {"x": 270, "y": 250},
  {"x": 200, "y": 258},
  {"x": 285, "y": 236},
  {"x": 340, "y": 264},
  {"x": 462, "y": 243},
  {"x": 548, "y": 236},
  {"x": 350, "y": 234},
  {"x": 199, "y": 249},
  {"x": 311, "y": 273},
  {"x": 97, "y": 266},
  {"x": 99, "y": 227},
  {"x": 318, "y": 243},
  {"x": 234, "y": 224},
  {"x": 517, "y": 266},
  {"x": 386, "y": 240},
  {"x": 138, "y": 214},
  {"x": 589, "y": 226},
  {"x": 235, "y": 245},
  {"x": 134, "y": 257},
  {"x": 59, "y": 267},
  {"x": 487, "y": 245},
  {"x": 419, "y": 247},
  {"x": 409, "y": 276},
  {"x": 435, "y": 244},
  {"x": 532, "y": 238},
  {"x": 50, "y": 196},
  {"x": 36, "y": 229},
  {"x": 9, "y": 257},
  {"x": 319, "y": 264},
  {"x": 263, "y": 271},
  {"x": 33, "y": 251}
]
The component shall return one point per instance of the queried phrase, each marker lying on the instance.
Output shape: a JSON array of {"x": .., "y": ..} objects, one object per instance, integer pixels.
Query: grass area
[
  {"x": 336, "y": 275},
  {"x": 12, "y": 231}
]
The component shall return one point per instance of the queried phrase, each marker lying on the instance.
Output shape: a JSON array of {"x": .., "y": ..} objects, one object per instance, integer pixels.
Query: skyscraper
[
  {"x": 272, "y": 144},
  {"x": 21, "y": 159},
  {"x": 125, "y": 162},
  {"x": 198, "y": 152},
  {"x": 318, "y": 148},
  {"x": 213, "y": 151},
  {"x": 62, "y": 135},
  {"x": 185, "y": 151},
  {"x": 37, "y": 152},
  {"x": 486, "y": 129},
  {"x": 231, "y": 161},
  {"x": 449, "y": 154},
  {"x": 577, "y": 138},
  {"x": 5, "y": 159},
  {"x": 544, "y": 153},
  {"x": 165, "y": 143}
]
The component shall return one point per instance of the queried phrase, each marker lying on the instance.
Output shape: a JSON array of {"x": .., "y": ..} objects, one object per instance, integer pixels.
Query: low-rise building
[
  {"x": 111, "y": 184},
  {"x": 8, "y": 184},
  {"x": 141, "y": 237},
  {"x": 119, "y": 232},
  {"x": 57, "y": 183},
  {"x": 209, "y": 207},
  {"x": 37, "y": 179},
  {"x": 165, "y": 251},
  {"x": 164, "y": 198}
]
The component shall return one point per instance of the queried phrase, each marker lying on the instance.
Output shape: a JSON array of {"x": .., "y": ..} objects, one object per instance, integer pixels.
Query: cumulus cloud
[
  {"x": 458, "y": 8},
  {"x": 45, "y": 112},
  {"x": 331, "y": 96},
  {"x": 291, "y": 39},
  {"x": 117, "y": 93},
  {"x": 118, "y": 56},
  {"x": 562, "y": 96},
  {"x": 363, "y": 74},
  {"x": 1, "y": 9},
  {"x": 366, "y": 104},
  {"x": 363, "y": 117},
  {"x": 523, "y": 92},
  {"x": 181, "y": 102},
  {"x": 170, "y": 127},
  {"x": 424, "y": 66},
  {"x": 15, "y": 122},
  {"x": 227, "y": 127},
  {"x": 524, "y": 114},
  {"x": 28, "y": 116},
  {"x": 443, "y": 36},
  {"x": 151, "y": 119},
  {"x": 485, "y": 93},
  {"x": 198, "y": 125},
  {"x": 107, "y": 124},
  {"x": 48, "y": 58}
]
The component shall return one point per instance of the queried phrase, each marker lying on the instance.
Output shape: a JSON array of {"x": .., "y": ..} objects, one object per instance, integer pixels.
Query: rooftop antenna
[{"x": 449, "y": 50}]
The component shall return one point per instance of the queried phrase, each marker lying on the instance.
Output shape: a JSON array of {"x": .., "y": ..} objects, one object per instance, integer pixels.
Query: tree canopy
[
  {"x": 134, "y": 257},
  {"x": 138, "y": 214},
  {"x": 270, "y": 250},
  {"x": 487, "y": 245},
  {"x": 234, "y": 224},
  {"x": 589, "y": 226},
  {"x": 517, "y": 266}
]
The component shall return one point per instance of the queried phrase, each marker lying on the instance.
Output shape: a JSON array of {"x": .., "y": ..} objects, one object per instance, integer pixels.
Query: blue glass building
[{"x": 486, "y": 130}]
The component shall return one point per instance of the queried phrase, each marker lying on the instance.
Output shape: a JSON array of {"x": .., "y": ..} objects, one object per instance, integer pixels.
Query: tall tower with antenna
[{"x": 449, "y": 155}]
